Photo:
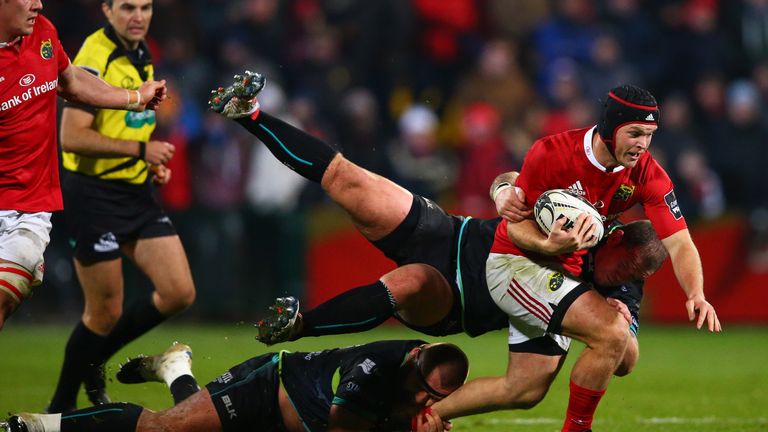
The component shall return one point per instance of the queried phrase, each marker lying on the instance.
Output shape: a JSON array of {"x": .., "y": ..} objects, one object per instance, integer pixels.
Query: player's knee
[
  {"x": 176, "y": 300},
  {"x": 101, "y": 319},
  {"x": 629, "y": 361},
  {"x": 616, "y": 336}
]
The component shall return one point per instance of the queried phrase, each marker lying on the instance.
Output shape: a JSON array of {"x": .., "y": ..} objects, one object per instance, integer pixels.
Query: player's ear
[{"x": 106, "y": 10}]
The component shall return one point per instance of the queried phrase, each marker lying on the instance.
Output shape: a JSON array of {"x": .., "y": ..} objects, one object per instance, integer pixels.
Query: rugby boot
[
  {"x": 239, "y": 99},
  {"x": 23, "y": 422},
  {"x": 142, "y": 368},
  {"x": 95, "y": 385},
  {"x": 282, "y": 324}
]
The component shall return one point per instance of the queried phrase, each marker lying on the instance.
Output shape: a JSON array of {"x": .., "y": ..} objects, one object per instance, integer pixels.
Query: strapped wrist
[
  {"x": 142, "y": 150},
  {"x": 500, "y": 187},
  {"x": 134, "y": 103}
]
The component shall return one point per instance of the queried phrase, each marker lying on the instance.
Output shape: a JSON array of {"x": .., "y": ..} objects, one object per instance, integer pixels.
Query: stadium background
[{"x": 439, "y": 95}]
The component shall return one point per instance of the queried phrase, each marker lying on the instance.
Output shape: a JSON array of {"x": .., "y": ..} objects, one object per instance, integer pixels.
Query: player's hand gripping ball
[{"x": 562, "y": 203}]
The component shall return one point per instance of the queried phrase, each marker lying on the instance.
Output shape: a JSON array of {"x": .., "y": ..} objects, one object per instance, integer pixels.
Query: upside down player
[
  {"x": 376, "y": 386},
  {"x": 439, "y": 287},
  {"x": 610, "y": 166},
  {"x": 32, "y": 65}
]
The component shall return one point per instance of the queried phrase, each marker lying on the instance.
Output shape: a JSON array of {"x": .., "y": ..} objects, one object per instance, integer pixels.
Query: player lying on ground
[
  {"x": 440, "y": 286},
  {"x": 375, "y": 386}
]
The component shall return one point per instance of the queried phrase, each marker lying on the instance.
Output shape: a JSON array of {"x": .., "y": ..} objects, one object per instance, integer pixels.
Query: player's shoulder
[{"x": 562, "y": 140}]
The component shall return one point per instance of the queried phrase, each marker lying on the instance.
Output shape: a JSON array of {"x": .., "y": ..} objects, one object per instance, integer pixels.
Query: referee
[{"x": 110, "y": 167}]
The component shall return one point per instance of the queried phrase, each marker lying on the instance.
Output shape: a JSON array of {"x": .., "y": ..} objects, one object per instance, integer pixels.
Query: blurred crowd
[{"x": 442, "y": 95}]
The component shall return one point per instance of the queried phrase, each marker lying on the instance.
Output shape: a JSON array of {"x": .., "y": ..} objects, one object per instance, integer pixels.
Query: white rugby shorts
[
  {"x": 534, "y": 297},
  {"x": 23, "y": 239}
]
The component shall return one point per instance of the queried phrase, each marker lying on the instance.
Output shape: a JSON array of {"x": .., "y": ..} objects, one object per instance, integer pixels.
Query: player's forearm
[
  {"x": 77, "y": 85},
  {"x": 686, "y": 263},
  {"x": 526, "y": 235},
  {"x": 478, "y": 396},
  {"x": 88, "y": 142}
]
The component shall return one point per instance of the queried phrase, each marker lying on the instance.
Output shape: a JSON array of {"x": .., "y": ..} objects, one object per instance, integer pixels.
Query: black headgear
[{"x": 626, "y": 104}]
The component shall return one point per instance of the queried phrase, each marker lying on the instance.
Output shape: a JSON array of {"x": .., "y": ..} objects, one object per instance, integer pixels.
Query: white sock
[
  {"x": 50, "y": 422},
  {"x": 175, "y": 369}
]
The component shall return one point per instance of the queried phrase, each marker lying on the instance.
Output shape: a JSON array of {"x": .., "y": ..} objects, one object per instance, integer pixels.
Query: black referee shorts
[{"x": 104, "y": 214}]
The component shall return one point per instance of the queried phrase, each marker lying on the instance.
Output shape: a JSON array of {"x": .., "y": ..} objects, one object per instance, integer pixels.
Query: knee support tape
[{"x": 15, "y": 280}]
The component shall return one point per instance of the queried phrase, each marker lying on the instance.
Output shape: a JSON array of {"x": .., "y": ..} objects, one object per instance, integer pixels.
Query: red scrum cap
[{"x": 626, "y": 104}]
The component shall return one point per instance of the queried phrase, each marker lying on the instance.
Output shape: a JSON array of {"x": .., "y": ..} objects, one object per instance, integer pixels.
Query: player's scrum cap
[{"x": 626, "y": 104}]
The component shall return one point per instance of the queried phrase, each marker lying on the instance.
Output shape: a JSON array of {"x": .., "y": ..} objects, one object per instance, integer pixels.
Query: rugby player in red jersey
[
  {"x": 33, "y": 69},
  {"x": 532, "y": 277}
]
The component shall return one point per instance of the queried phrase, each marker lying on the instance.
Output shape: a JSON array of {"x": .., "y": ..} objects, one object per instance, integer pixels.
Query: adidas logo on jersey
[
  {"x": 649, "y": 118},
  {"x": 577, "y": 189}
]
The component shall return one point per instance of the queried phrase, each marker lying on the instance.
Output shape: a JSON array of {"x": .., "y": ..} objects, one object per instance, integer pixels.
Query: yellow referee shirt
[{"x": 103, "y": 55}]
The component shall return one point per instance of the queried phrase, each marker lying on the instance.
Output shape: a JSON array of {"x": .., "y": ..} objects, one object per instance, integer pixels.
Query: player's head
[
  {"x": 129, "y": 18},
  {"x": 17, "y": 18},
  {"x": 627, "y": 121},
  {"x": 630, "y": 252},
  {"x": 431, "y": 372}
]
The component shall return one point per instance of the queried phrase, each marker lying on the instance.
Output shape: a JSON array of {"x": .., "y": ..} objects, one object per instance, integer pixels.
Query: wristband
[
  {"x": 133, "y": 105},
  {"x": 501, "y": 186},
  {"x": 142, "y": 150}
]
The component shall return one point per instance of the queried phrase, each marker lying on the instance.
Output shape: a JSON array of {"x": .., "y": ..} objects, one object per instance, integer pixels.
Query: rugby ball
[{"x": 562, "y": 203}]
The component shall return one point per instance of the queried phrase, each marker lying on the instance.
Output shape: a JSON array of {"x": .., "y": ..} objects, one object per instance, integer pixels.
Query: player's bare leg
[
  {"x": 8, "y": 306},
  {"x": 164, "y": 261},
  {"x": 593, "y": 321},
  {"x": 14, "y": 288},
  {"x": 195, "y": 414},
  {"x": 377, "y": 205}
]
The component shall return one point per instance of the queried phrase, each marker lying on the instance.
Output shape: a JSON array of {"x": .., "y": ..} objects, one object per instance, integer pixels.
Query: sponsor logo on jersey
[
  {"x": 225, "y": 378},
  {"x": 28, "y": 94},
  {"x": 624, "y": 192},
  {"x": 136, "y": 120},
  {"x": 107, "y": 243},
  {"x": 352, "y": 387},
  {"x": 46, "y": 49},
  {"x": 555, "y": 281},
  {"x": 673, "y": 205},
  {"x": 228, "y": 406},
  {"x": 367, "y": 366},
  {"x": 27, "y": 80},
  {"x": 2, "y": 78},
  {"x": 577, "y": 188}
]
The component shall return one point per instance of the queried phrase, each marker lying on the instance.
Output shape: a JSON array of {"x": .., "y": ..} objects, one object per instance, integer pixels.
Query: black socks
[
  {"x": 114, "y": 417},
  {"x": 85, "y": 349},
  {"x": 183, "y": 387},
  {"x": 82, "y": 348},
  {"x": 295, "y": 148},
  {"x": 356, "y": 310}
]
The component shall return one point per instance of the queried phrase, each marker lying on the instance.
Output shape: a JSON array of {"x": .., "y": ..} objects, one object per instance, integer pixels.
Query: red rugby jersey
[
  {"x": 566, "y": 161},
  {"x": 29, "y": 168}
]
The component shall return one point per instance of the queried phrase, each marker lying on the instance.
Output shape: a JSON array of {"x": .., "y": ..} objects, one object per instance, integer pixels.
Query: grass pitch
[{"x": 685, "y": 381}]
